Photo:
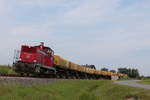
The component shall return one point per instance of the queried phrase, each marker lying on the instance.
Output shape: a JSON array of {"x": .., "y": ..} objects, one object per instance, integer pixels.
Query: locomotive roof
[{"x": 45, "y": 47}]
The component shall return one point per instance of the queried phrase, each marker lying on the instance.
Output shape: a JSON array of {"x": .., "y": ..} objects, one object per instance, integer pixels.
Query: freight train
[{"x": 40, "y": 60}]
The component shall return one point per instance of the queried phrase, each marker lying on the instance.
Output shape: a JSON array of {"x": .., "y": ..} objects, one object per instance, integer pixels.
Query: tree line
[{"x": 131, "y": 72}]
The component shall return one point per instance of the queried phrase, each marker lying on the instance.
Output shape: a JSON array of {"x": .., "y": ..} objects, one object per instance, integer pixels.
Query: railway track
[
  {"x": 24, "y": 80},
  {"x": 12, "y": 75},
  {"x": 33, "y": 80},
  {"x": 29, "y": 80},
  {"x": 42, "y": 77},
  {"x": 38, "y": 76}
]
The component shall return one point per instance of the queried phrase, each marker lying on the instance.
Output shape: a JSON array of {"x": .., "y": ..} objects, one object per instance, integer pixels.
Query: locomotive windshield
[{"x": 48, "y": 51}]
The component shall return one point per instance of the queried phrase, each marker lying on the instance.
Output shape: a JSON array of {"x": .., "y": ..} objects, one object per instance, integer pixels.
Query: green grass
[
  {"x": 6, "y": 70},
  {"x": 72, "y": 90},
  {"x": 145, "y": 82}
]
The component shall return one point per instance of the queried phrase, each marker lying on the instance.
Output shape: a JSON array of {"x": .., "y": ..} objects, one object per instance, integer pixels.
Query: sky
[{"x": 106, "y": 33}]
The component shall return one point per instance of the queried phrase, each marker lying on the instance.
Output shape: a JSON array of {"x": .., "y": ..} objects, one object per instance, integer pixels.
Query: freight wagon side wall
[{"x": 63, "y": 63}]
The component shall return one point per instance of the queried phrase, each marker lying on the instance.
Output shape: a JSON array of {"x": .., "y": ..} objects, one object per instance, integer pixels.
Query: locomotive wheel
[{"x": 37, "y": 69}]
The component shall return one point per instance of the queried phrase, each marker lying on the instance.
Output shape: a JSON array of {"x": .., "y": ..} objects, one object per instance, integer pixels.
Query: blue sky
[{"x": 107, "y": 33}]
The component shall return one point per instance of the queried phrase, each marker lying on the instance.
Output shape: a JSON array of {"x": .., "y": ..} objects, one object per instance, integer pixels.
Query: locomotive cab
[
  {"x": 35, "y": 59},
  {"x": 28, "y": 54}
]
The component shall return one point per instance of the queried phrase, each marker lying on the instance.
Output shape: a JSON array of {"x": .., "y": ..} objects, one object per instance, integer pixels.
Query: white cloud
[
  {"x": 91, "y": 12},
  {"x": 4, "y": 7},
  {"x": 23, "y": 31},
  {"x": 49, "y": 3}
]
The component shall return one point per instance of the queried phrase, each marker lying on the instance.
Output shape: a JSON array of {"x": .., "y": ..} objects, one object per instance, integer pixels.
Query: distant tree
[
  {"x": 147, "y": 77},
  {"x": 133, "y": 73},
  {"x": 114, "y": 71},
  {"x": 136, "y": 73},
  {"x": 123, "y": 71},
  {"x": 104, "y": 69},
  {"x": 129, "y": 72}
]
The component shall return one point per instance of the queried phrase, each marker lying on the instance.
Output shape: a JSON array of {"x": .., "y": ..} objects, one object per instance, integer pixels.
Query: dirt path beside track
[{"x": 133, "y": 83}]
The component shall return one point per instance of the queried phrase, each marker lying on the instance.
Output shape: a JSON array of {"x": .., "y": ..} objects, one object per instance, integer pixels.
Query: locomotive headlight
[
  {"x": 34, "y": 61},
  {"x": 19, "y": 59}
]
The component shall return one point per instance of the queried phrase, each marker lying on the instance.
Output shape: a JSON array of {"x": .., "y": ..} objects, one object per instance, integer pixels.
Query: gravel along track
[
  {"x": 25, "y": 80},
  {"x": 133, "y": 83}
]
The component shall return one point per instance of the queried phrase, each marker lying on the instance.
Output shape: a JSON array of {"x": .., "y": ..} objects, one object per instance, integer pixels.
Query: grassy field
[
  {"x": 144, "y": 82},
  {"x": 72, "y": 90},
  {"x": 6, "y": 70}
]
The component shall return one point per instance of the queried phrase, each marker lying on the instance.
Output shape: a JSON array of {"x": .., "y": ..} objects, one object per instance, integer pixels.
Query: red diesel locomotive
[{"x": 35, "y": 59}]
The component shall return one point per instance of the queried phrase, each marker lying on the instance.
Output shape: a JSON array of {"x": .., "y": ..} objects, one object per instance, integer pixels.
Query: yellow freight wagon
[{"x": 61, "y": 62}]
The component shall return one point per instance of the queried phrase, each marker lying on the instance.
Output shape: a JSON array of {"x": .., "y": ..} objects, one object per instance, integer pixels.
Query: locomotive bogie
[
  {"x": 21, "y": 67},
  {"x": 31, "y": 68}
]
